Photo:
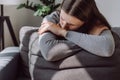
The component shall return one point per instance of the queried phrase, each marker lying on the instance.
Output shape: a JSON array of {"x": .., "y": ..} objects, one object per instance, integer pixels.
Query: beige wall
[
  {"x": 111, "y": 10},
  {"x": 19, "y": 18}
]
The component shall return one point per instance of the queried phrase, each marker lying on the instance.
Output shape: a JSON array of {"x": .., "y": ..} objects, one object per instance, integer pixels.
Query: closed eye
[{"x": 69, "y": 24}]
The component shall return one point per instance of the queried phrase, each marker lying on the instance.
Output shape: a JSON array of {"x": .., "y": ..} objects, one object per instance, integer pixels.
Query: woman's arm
[
  {"x": 53, "y": 49},
  {"x": 101, "y": 45},
  {"x": 54, "y": 17}
]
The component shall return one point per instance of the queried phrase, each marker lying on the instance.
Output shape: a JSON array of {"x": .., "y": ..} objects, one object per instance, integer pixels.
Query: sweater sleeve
[
  {"x": 53, "y": 49},
  {"x": 101, "y": 45},
  {"x": 53, "y": 17}
]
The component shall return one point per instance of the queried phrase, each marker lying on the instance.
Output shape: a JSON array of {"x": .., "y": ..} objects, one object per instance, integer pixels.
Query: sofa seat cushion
[{"x": 8, "y": 63}]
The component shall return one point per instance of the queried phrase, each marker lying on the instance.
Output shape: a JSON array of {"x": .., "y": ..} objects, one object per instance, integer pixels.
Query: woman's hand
[{"x": 54, "y": 28}]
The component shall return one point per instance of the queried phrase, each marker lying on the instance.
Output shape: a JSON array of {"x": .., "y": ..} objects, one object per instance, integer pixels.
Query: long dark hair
[{"x": 87, "y": 11}]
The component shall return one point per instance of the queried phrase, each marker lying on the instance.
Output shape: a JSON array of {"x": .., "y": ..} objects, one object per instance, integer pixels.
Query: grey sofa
[{"x": 15, "y": 62}]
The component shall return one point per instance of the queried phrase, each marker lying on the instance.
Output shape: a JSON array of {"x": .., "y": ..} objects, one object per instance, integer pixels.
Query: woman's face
[{"x": 69, "y": 22}]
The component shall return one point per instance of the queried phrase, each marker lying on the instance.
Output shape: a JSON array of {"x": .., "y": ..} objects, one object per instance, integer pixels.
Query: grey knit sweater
[{"x": 55, "y": 48}]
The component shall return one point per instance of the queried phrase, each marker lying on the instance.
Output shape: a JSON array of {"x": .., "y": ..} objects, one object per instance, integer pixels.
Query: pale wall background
[
  {"x": 24, "y": 17},
  {"x": 111, "y": 10}
]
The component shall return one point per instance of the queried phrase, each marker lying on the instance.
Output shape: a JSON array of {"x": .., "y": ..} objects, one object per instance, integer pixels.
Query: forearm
[
  {"x": 102, "y": 45},
  {"x": 53, "y": 49},
  {"x": 53, "y": 17}
]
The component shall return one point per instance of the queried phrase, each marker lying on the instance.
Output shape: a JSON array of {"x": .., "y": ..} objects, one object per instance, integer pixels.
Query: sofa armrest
[
  {"x": 8, "y": 63},
  {"x": 24, "y": 37}
]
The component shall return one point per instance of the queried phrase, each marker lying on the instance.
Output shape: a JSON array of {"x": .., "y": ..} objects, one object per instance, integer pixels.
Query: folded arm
[
  {"x": 101, "y": 45},
  {"x": 53, "y": 17},
  {"x": 53, "y": 49}
]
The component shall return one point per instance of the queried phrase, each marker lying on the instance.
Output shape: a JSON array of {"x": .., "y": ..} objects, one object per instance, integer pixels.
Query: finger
[
  {"x": 44, "y": 26},
  {"x": 41, "y": 26},
  {"x": 42, "y": 23},
  {"x": 42, "y": 29}
]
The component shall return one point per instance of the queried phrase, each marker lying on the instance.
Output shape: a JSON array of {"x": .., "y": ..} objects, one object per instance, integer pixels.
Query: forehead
[{"x": 69, "y": 19}]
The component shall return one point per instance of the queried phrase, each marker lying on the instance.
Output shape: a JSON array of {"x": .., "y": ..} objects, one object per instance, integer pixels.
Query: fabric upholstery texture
[
  {"x": 9, "y": 63},
  {"x": 25, "y": 34}
]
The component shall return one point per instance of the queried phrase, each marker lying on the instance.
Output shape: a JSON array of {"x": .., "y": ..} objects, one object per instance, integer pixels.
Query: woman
[{"x": 78, "y": 26}]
